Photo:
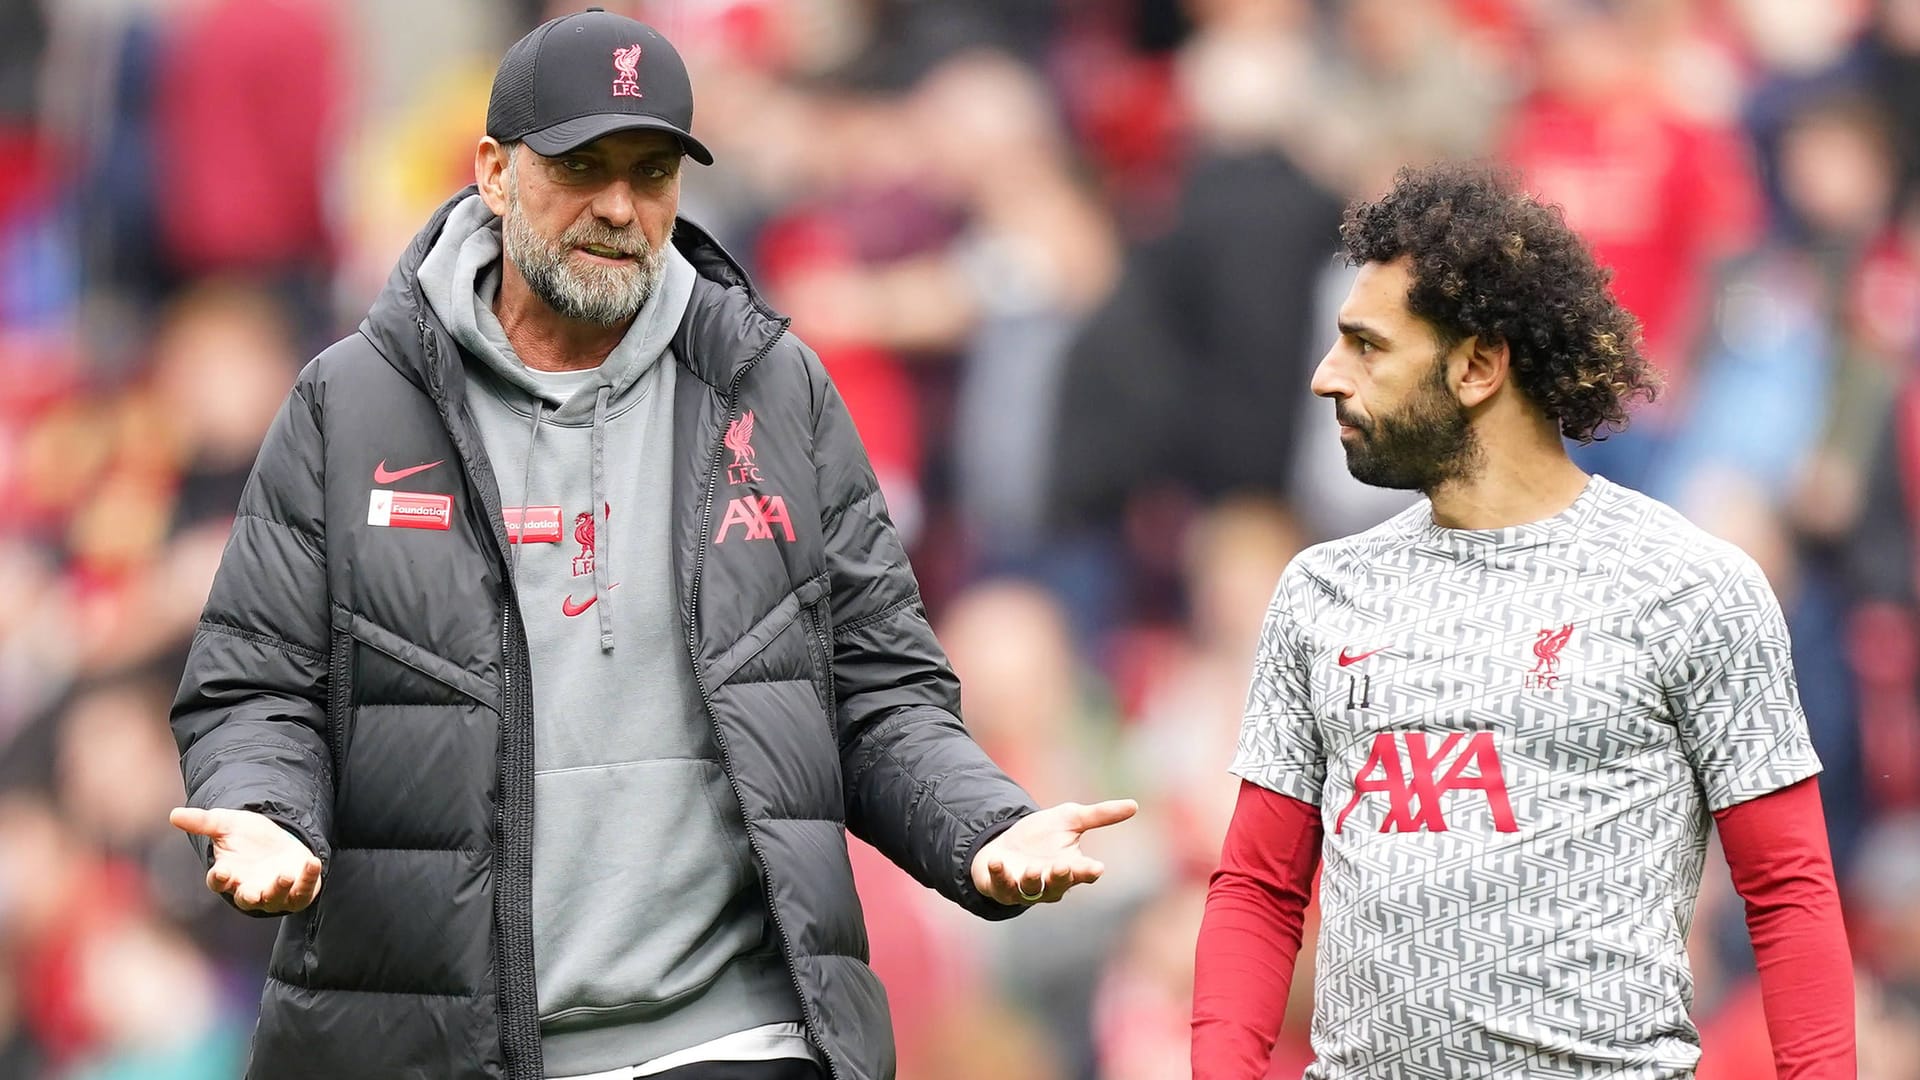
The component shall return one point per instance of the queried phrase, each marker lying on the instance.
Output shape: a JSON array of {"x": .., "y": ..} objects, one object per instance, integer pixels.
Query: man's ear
[
  {"x": 490, "y": 160},
  {"x": 1485, "y": 366}
]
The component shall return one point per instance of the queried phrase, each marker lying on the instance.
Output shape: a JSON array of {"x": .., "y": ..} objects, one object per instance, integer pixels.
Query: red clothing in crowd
[
  {"x": 1657, "y": 197},
  {"x": 248, "y": 95}
]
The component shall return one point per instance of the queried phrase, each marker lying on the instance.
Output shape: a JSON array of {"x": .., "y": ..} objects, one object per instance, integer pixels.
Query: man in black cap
[{"x": 563, "y": 636}]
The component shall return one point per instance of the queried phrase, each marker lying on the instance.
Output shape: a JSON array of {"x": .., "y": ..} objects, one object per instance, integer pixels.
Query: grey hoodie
[{"x": 650, "y": 928}]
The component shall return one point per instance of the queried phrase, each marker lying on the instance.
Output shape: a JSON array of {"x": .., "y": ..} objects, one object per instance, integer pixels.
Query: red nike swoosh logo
[
  {"x": 570, "y": 609},
  {"x": 1345, "y": 659},
  {"x": 382, "y": 476}
]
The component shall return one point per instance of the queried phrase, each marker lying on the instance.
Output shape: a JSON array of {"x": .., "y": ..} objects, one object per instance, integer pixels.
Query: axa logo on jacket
[{"x": 757, "y": 515}]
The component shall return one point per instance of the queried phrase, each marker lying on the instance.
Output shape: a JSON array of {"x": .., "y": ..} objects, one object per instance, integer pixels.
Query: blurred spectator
[
  {"x": 154, "y": 1002},
  {"x": 1886, "y": 935},
  {"x": 1036, "y": 255},
  {"x": 248, "y": 98},
  {"x": 1792, "y": 349},
  {"x": 1659, "y": 195},
  {"x": 1042, "y": 715},
  {"x": 61, "y": 897},
  {"x": 1406, "y": 86},
  {"x": 1142, "y": 1015},
  {"x": 111, "y": 783},
  {"x": 221, "y": 364},
  {"x": 1893, "y": 65},
  {"x": 987, "y": 1037},
  {"x": 1799, "y": 52},
  {"x": 1191, "y": 692},
  {"x": 36, "y": 649},
  {"x": 1031, "y": 703},
  {"x": 1185, "y": 385},
  {"x": 1889, "y": 1034}
]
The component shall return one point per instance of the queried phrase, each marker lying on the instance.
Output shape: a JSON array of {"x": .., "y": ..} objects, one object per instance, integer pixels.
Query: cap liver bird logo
[
  {"x": 1547, "y": 646},
  {"x": 626, "y": 83}
]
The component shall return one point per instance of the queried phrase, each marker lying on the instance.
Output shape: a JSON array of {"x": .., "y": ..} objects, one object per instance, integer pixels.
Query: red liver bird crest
[
  {"x": 1547, "y": 647},
  {"x": 739, "y": 439}
]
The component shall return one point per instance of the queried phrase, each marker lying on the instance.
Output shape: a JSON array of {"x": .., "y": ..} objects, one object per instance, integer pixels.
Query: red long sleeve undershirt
[
  {"x": 1776, "y": 846},
  {"x": 1250, "y": 935}
]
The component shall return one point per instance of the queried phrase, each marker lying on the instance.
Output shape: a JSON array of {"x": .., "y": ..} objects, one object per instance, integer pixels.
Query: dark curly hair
[{"x": 1489, "y": 260}]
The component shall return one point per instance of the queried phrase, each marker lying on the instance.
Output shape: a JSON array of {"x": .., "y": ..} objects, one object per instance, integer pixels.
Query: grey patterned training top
[{"x": 1515, "y": 737}]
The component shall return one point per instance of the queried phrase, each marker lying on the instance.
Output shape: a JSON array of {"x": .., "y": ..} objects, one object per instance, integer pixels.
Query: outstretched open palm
[
  {"x": 261, "y": 865},
  {"x": 1039, "y": 858}
]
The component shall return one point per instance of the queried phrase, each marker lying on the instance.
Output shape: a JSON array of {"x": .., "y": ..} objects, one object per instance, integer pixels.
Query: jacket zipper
[
  {"x": 826, "y": 663},
  {"x": 706, "y": 699},
  {"x": 519, "y": 1060},
  {"x": 339, "y": 709}
]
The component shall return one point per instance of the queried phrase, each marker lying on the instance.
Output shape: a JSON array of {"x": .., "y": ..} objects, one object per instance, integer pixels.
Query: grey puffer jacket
[{"x": 367, "y": 687}]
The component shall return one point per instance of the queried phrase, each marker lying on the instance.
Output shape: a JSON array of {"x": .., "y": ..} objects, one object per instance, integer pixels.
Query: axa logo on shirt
[{"x": 1401, "y": 769}]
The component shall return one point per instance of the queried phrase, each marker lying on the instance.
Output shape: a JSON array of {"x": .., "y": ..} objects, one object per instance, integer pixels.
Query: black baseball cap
[{"x": 578, "y": 77}]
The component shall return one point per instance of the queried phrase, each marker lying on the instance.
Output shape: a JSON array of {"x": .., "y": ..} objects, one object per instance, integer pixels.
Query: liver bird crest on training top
[
  {"x": 626, "y": 81},
  {"x": 1547, "y": 647},
  {"x": 583, "y": 535}
]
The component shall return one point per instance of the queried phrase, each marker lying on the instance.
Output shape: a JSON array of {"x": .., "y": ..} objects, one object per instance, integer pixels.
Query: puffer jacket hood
[{"x": 360, "y": 676}]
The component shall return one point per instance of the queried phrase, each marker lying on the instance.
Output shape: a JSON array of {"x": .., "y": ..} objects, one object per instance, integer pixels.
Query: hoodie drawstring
[
  {"x": 526, "y": 482},
  {"x": 603, "y": 543}
]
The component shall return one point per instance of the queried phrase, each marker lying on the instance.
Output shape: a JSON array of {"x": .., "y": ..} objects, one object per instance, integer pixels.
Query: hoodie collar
[{"x": 460, "y": 278}]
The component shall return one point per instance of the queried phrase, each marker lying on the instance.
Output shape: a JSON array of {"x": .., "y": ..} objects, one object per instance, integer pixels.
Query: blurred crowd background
[{"x": 1071, "y": 263}]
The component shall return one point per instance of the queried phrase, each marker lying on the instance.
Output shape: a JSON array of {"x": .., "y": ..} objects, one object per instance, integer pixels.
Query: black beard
[{"x": 1427, "y": 443}]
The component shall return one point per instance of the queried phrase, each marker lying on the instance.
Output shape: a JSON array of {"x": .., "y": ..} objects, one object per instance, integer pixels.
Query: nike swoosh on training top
[
  {"x": 382, "y": 476},
  {"x": 570, "y": 609},
  {"x": 1346, "y": 659}
]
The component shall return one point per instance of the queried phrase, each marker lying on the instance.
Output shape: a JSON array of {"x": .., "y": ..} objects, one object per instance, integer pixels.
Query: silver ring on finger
[{"x": 1021, "y": 888}]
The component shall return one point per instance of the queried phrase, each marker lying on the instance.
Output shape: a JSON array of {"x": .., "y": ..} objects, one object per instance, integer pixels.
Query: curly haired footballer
[
  {"x": 1489, "y": 261},
  {"x": 1519, "y": 702}
]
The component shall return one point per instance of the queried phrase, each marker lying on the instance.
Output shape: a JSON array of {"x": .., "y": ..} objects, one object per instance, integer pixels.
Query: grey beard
[{"x": 603, "y": 295}]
